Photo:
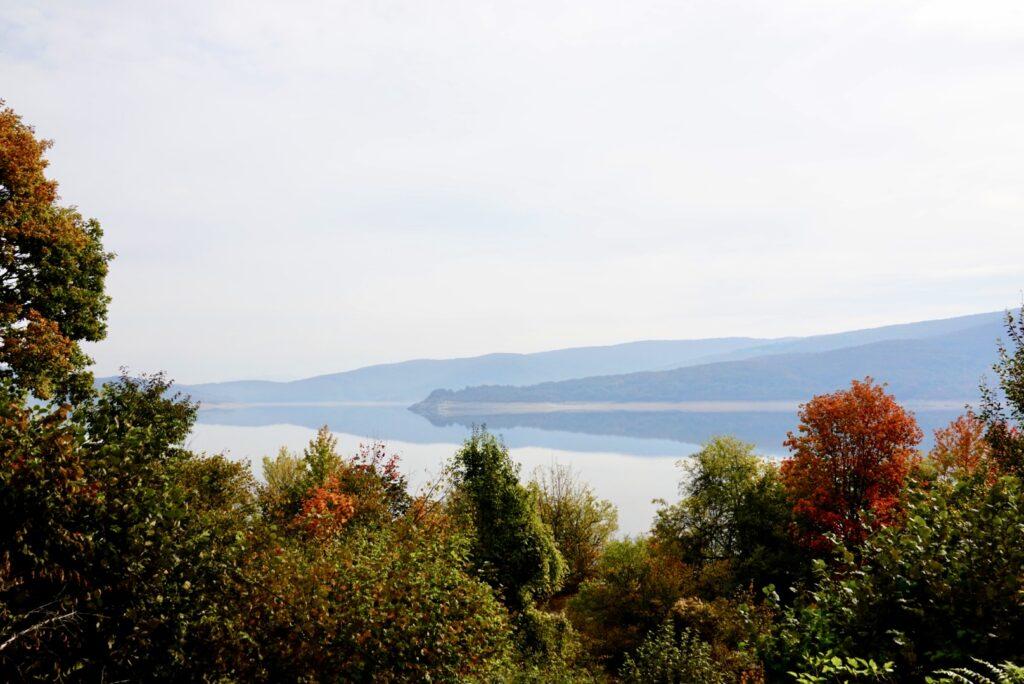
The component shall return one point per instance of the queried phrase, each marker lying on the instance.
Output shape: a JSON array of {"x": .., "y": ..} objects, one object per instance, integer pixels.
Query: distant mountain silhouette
[
  {"x": 410, "y": 381},
  {"x": 633, "y": 369},
  {"x": 945, "y": 363}
]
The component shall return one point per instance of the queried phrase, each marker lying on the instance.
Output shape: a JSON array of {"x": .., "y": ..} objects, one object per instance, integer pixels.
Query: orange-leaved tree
[
  {"x": 962, "y": 450},
  {"x": 851, "y": 456}
]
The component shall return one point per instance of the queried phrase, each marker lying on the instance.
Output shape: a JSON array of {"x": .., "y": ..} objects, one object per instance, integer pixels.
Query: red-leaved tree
[{"x": 851, "y": 457}]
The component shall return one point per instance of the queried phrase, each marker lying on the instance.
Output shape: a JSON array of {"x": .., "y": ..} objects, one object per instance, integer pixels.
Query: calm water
[{"x": 629, "y": 457}]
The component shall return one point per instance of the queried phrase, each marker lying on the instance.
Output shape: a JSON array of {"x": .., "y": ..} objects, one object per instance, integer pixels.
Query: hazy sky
[{"x": 296, "y": 188}]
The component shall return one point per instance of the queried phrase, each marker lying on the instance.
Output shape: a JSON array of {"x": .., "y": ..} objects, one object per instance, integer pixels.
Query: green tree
[
  {"x": 732, "y": 522},
  {"x": 632, "y": 591},
  {"x": 52, "y": 271},
  {"x": 513, "y": 547},
  {"x": 582, "y": 523},
  {"x": 1002, "y": 408},
  {"x": 945, "y": 586},
  {"x": 112, "y": 530}
]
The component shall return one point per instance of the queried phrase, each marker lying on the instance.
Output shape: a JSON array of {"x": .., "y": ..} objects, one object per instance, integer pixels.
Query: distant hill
[
  {"x": 945, "y": 364},
  {"x": 853, "y": 338},
  {"x": 411, "y": 381}
]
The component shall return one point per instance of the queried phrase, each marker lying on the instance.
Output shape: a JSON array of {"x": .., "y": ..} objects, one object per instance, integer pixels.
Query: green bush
[
  {"x": 983, "y": 672},
  {"x": 386, "y": 606},
  {"x": 115, "y": 541},
  {"x": 946, "y": 585},
  {"x": 670, "y": 656}
]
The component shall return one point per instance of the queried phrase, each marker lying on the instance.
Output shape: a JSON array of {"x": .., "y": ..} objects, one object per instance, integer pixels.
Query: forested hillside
[{"x": 945, "y": 366}]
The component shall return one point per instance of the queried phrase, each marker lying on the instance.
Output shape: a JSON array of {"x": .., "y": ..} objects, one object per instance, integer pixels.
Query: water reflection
[
  {"x": 629, "y": 457},
  {"x": 631, "y": 432}
]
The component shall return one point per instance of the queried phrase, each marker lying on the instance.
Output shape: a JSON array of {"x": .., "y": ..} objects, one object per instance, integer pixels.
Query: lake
[{"x": 628, "y": 454}]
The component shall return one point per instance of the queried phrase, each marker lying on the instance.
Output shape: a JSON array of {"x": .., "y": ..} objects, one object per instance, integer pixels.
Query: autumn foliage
[
  {"x": 52, "y": 272},
  {"x": 961, "y": 449},
  {"x": 327, "y": 509},
  {"x": 850, "y": 457}
]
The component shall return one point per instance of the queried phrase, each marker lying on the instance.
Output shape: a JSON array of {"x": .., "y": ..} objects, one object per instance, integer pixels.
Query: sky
[{"x": 298, "y": 188}]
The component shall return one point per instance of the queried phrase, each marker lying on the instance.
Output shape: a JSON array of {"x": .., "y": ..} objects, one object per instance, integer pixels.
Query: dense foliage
[
  {"x": 732, "y": 525},
  {"x": 851, "y": 457},
  {"x": 513, "y": 547},
  {"x": 126, "y": 557},
  {"x": 52, "y": 272},
  {"x": 581, "y": 523}
]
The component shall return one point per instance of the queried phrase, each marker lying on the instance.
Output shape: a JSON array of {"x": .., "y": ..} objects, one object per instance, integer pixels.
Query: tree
[
  {"x": 1005, "y": 423},
  {"x": 52, "y": 272},
  {"x": 107, "y": 518},
  {"x": 632, "y": 591},
  {"x": 851, "y": 457},
  {"x": 327, "y": 490},
  {"x": 582, "y": 523},
  {"x": 945, "y": 586},
  {"x": 961, "y": 449},
  {"x": 513, "y": 548},
  {"x": 732, "y": 523}
]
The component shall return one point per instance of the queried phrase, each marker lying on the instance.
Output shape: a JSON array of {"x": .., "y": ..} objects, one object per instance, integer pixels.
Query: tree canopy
[{"x": 52, "y": 271}]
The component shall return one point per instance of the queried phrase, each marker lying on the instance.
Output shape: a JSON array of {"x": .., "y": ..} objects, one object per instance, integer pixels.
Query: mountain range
[{"x": 938, "y": 359}]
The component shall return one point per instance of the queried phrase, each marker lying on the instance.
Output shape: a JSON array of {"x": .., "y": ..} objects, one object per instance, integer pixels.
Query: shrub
[
  {"x": 982, "y": 673},
  {"x": 391, "y": 605},
  {"x": 946, "y": 586},
  {"x": 670, "y": 656},
  {"x": 115, "y": 542},
  {"x": 827, "y": 668}
]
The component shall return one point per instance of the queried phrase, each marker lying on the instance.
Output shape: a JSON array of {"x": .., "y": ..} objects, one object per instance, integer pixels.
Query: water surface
[{"x": 628, "y": 456}]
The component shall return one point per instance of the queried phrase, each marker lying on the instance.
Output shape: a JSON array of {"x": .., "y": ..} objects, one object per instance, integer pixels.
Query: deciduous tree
[
  {"x": 961, "y": 449},
  {"x": 732, "y": 523},
  {"x": 1002, "y": 408},
  {"x": 850, "y": 456},
  {"x": 52, "y": 271},
  {"x": 582, "y": 523}
]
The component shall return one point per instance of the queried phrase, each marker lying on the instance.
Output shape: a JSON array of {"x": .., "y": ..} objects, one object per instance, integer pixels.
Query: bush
[
  {"x": 669, "y": 656},
  {"x": 983, "y": 672},
  {"x": 393, "y": 605},
  {"x": 947, "y": 585},
  {"x": 116, "y": 543}
]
